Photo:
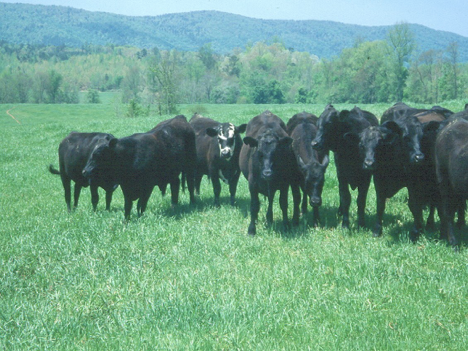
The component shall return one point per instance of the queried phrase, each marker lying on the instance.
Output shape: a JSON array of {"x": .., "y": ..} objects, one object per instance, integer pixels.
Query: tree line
[{"x": 264, "y": 72}]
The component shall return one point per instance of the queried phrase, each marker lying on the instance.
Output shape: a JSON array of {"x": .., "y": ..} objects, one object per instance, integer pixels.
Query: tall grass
[{"x": 191, "y": 277}]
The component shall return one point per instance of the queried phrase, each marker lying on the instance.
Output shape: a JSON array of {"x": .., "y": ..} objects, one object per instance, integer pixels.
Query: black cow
[
  {"x": 392, "y": 151},
  {"x": 312, "y": 164},
  {"x": 143, "y": 160},
  {"x": 451, "y": 159},
  {"x": 74, "y": 152},
  {"x": 218, "y": 149},
  {"x": 399, "y": 111},
  {"x": 339, "y": 132},
  {"x": 268, "y": 163}
]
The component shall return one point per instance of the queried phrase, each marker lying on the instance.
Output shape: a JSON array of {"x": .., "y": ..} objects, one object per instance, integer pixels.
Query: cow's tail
[{"x": 53, "y": 170}]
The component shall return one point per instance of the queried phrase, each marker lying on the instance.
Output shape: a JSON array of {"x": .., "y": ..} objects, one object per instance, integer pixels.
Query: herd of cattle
[{"x": 425, "y": 151}]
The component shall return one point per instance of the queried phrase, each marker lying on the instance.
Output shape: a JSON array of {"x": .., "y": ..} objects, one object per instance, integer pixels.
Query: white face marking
[
  {"x": 222, "y": 138},
  {"x": 231, "y": 130}
]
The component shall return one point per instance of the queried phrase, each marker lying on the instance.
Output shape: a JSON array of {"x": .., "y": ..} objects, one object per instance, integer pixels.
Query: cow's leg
[
  {"x": 269, "y": 215},
  {"x": 190, "y": 175},
  {"x": 94, "y": 196},
  {"x": 430, "y": 223},
  {"x": 361, "y": 203},
  {"x": 216, "y": 189},
  {"x": 143, "y": 201},
  {"x": 448, "y": 213},
  {"x": 128, "y": 206},
  {"x": 76, "y": 195},
  {"x": 380, "y": 211},
  {"x": 67, "y": 188},
  {"x": 305, "y": 199},
  {"x": 461, "y": 214},
  {"x": 316, "y": 216},
  {"x": 233, "y": 187},
  {"x": 109, "y": 199},
  {"x": 254, "y": 208},
  {"x": 175, "y": 185},
  {"x": 345, "y": 202},
  {"x": 296, "y": 192},
  {"x": 283, "y": 201},
  {"x": 415, "y": 207},
  {"x": 198, "y": 179}
]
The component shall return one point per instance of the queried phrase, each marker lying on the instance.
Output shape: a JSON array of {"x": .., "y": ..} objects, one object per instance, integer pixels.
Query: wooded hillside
[{"x": 57, "y": 25}]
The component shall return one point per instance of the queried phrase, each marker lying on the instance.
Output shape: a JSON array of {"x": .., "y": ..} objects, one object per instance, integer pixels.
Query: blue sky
[{"x": 447, "y": 15}]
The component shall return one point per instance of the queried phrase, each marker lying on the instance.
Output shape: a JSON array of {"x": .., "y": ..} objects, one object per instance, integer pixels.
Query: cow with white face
[{"x": 218, "y": 148}]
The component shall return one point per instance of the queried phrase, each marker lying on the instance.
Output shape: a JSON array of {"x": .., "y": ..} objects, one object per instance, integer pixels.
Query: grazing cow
[
  {"x": 339, "y": 132},
  {"x": 218, "y": 149},
  {"x": 268, "y": 163},
  {"x": 312, "y": 164},
  {"x": 451, "y": 160},
  {"x": 143, "y": 160},
  {"x": 74, "y": 152}
]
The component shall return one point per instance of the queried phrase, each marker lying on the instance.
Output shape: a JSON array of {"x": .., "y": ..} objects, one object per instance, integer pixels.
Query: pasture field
[{"x": 191, "y": 277}]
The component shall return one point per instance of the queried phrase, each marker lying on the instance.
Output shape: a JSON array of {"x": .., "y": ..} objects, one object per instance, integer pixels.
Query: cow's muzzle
[
  {"x": 267, "y": 174},
  {"x": 315, "y": 201}
]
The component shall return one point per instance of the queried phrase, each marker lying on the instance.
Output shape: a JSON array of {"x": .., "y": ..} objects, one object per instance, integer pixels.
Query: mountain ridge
[{"x": 188, "y": 31}]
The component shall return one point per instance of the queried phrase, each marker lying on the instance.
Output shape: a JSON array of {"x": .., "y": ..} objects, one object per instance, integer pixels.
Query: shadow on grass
[{"x": 400, "y": 234}]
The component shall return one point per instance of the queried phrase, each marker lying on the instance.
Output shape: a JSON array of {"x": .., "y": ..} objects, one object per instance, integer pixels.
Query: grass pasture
[{"x": 191, "y": 278}]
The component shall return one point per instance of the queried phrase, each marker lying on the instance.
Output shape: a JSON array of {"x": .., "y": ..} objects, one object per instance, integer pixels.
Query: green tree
[
  {"x": 207, "y": 56},
  {"x": 401, "y": 44},
  {"x": 166, "y": 71},
  {"x": 52, "y": 86}
]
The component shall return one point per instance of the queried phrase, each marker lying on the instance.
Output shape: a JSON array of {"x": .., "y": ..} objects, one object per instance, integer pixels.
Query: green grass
[{"x": 191, "y": 278}]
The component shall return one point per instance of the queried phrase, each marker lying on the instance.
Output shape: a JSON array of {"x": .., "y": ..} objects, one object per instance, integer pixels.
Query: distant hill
[{"x": 58, "y": 25}]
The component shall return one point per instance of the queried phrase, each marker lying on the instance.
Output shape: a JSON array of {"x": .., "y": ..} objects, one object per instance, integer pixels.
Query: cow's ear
[
  {"x": 241, "y": 129},
  {"x": 113, "y": 143},
  {"x": 301, "y": 163},
  {"x": 351, "y": 137},
  {"x": 252, "y": 142},
  {"x": 325, "y": 161},
  {"x": 212, "y": 132},
  {"x": 286, "y": 141}
]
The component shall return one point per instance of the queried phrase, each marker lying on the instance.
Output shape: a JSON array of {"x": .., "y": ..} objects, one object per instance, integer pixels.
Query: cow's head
[
  {"x": 375, "y": 140},
  {"x": 98, "y": 169},
  {"x": 412, "y": 134},
  {"x": 327, "y": 129},
  {"x": 228, "y": 137},
  {"x": 270, "y": 149},
  {"x": 314, "y": 179}
]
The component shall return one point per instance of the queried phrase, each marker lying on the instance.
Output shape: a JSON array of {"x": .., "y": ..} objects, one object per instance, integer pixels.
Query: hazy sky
[{"x": 448, "y": 15}]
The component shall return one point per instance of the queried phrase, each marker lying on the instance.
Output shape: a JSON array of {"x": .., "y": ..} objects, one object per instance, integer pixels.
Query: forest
[{"x": 383, "y": 71}]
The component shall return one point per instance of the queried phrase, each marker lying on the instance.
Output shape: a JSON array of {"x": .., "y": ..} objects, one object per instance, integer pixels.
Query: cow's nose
[
  {"x": 418, "y": 157},
  {"x": 315, "y": 201},
  {"x": 368, "y": 164},
  {"x": 267, "y": 173}
]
